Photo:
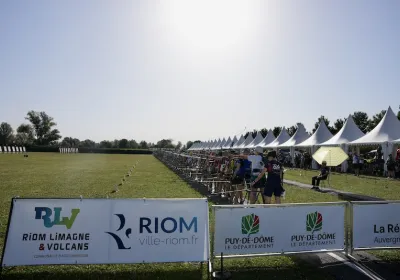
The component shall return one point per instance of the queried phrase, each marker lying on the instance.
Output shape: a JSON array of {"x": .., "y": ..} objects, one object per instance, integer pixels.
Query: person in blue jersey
[
  {"x": 274, "y": 181},
  {"x": 242, "y": 171}
]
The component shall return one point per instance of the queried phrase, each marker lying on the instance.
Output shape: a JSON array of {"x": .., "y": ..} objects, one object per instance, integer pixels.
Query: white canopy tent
[
  {"x": 282, "y": 138},
  {"x": 348, "y": 133},
  {"x": 227, "y": 144},
  {"x": 246, "y": 142},
  {"x": 257, "y": 140},
  {"x": 321, "y": 135},
  {"x": 222, "y": 143},
  {"x": 298, "y": 137},
  {"x": 216, "y": 145},
  {"x": 239, "y": 142},
  {"x": 267, "y": 139},
  {"x": 385, "y": 133}
]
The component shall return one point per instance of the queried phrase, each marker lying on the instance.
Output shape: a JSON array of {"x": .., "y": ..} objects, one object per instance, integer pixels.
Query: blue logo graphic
[{"x": 118, "y": 239}]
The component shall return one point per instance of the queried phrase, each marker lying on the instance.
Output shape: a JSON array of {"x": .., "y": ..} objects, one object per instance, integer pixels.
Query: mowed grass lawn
[{"x": 94, "y": 176}]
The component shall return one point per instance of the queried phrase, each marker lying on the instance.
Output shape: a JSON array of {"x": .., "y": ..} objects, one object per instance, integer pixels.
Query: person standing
[
  {"x": 274, "y": 181},
  {"x": 356, "y": 162}
]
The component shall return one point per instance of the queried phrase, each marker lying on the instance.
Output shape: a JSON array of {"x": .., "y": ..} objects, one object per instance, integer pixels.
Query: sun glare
[{"x": 210, "y": 25}]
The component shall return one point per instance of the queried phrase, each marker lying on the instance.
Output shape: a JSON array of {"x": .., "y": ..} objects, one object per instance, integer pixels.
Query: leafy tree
[
  {"x": 133, "y": 144},
  {"x": 246, "y": 135},
  {"x": 6, "y": 134},
  {"x": 189, "y": 144},
  {"x": 277, "y": 130},
  {"x": 87, "y": 144},
  {"x": 105, "y": 144},
  {"x": 123, "y": 143},
  {"x": 327, "y": 122},
  {"x": 398, "y": 115},
  {"x": 254, "y": 133},
  {"x": 143, "y": 145},
  {"x": 43, "y": 127},
  {"x": 292, "y": 130},
  {"x": 179, "y": 145},
  {"x": 264, "y": 132},
  {"x": 25, "y": 135},
  {"x": 165, "y": 143},
  {"x": 337, "y": 126},
  {"x": 70, "y": 142},
  {"x": 361, "y": 119},
  {"x": 376, "y": 119}
]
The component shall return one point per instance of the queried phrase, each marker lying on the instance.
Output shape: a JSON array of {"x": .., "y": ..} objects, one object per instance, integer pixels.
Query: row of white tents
[
  {"x": 386, "y": 134},
  {"x": 12, "y": 149}
]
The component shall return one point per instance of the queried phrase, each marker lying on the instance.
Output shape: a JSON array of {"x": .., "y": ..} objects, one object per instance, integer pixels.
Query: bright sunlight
[{"x": 211, "y": 25}]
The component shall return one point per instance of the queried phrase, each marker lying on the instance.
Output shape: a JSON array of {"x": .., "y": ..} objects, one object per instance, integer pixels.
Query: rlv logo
[{"x": 46, "y": 217}]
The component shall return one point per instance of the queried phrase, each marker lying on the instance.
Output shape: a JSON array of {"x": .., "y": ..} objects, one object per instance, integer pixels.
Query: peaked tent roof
[
  {"x": 321, "y": 135},
  {"x": 228, "y": 144},
  {"x": 348, "y": 133},
  {"x": 387, "y": 130},
  {"x": 299, "y": 136},
  {"x": 256, "y": 141},
  {"x": 268, "y": 139},
  {"x": 282, "y": 138},
  {"x": 217, "y": 144},
  {"x": 222, "y": 143},
  {"x": 239, "y": 142},
  {"x": 248, "y": 140}
]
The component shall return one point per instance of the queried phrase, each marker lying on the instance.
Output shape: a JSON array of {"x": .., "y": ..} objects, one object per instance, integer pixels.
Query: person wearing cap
[
  {"x": 274, "y": 181},
  {"x": 257, "y": 165}
]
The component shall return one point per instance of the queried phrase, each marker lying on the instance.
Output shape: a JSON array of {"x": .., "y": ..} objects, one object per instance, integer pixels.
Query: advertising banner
[
  {"x": 241, "y": 231},
  {"x": 107, "y": 231},
  {"x": 376, "y": 225}
]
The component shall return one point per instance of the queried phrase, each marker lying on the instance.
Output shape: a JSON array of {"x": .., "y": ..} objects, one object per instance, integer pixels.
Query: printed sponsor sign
[
  {"x": 376, "y": 225},
  {"x": 106, "y": 231},
  {"x": 279, "y": 229}
]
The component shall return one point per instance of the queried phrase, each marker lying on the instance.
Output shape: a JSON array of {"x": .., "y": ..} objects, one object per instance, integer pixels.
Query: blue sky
[{"x": 187, "y": 70}]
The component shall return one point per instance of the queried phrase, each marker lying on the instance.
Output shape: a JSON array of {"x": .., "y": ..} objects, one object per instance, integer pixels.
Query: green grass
[
  {"x": 371, "y": 186},
  {"x": 95, "y": 175}
]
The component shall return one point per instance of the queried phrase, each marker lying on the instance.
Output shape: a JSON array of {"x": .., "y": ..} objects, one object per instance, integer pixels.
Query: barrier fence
[{"x": 127, "y": 231}]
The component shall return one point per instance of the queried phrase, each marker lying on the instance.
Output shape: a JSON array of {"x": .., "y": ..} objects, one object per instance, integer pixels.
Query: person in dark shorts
[{"x": 274, "y": 180}]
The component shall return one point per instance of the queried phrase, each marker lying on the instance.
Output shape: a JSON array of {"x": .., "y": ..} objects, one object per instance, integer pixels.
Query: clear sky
[{"x": 188, "y": 70}]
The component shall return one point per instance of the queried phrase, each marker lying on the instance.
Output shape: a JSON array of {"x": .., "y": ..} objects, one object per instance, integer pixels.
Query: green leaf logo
[
  {"x": 250, "y": 224},
  {"x": 314, "y": 222}
]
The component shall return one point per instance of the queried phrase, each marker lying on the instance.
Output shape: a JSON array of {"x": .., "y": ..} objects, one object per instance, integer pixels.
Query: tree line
[
  {"x": 361, "y": 119},
  {"x": 40, "y": 130}
]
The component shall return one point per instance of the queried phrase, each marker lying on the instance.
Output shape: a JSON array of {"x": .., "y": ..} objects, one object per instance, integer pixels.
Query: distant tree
[
  {"x": 189, "y": 144},
  {"x": 87, "y": 144},
  {"x": 6, "y": 134},
  {"x": 373, "y": 122},
  {"x": 264, "y": 132},
  {"x": 105, "y": 144},
  {"x": 70, "y": 142},
  {"x": 179, "y": 145},
  {"x": 292, "y": 130},
  {"x": 143, "y": 145},
  {"x": 123, "y": 143},
  {"x": 133, "y": 144},
  {"x": 246, "y": 135},
  {"x": 165, "y": 143},
  {"x": 25, "y": 135},
  {"x": 43, "y": 127},
  {"x": 254, "y": 133},
  {"x": 327, "y": 122},
  {"x": 337, "y": 126},
  {"x": 398, "y": 115},
  {"x": 277, "y": 130},
  {"x": 361, "y": 119}
]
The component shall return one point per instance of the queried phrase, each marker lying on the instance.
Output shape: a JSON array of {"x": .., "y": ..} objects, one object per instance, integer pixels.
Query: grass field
[
  {"x": 95, "y": 175},
  {"x": 372, "y": 186}
]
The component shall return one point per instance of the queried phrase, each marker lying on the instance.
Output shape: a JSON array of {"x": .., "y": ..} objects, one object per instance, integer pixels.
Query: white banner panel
[
  {"x": 107, "y": 231},
  {"x": 376, "y": 225},
  {"x": 279, "y": 229}
]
